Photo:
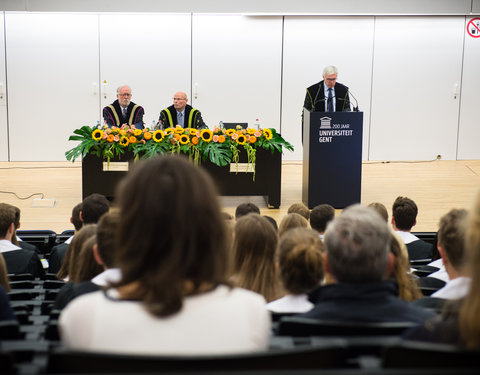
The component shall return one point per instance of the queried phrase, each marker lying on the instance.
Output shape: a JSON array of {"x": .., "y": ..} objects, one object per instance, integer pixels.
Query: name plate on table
[
  {"x": 242, "y": 168},
  {"x": 118, "y": 166}
]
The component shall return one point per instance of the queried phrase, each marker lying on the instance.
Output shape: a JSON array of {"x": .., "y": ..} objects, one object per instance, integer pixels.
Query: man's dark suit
[
  {"x": 193, "y": 118},
  {"x": 112, "y": 115},
  {"x": 315, "y": 98},
  {"x": 56, "y": 257},
  {"x": 23, "y": 261},
  {"x": 419, "y": 249}
]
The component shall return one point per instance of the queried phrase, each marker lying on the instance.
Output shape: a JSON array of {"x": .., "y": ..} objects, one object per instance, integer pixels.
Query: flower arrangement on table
[{"x": 220, "y": 146}]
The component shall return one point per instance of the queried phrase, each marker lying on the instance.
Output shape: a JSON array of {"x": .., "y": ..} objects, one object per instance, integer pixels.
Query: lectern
[{"x": 332, "y": 158}]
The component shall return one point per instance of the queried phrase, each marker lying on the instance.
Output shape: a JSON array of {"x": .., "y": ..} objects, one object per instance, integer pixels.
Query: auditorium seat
[
  {"x": 9, "y": 330},
  {"x": 20, "y": 277},
  {"x": 44, "y": 240},
  {"x": 327, "y": 356}
]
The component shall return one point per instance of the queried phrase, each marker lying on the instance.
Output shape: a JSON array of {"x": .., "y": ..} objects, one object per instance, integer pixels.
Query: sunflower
[
  {"x": 169, "y": 131},
  {"x": 230, "y": 132},
  {"x": 110, "y": 138},
  {"x": 241, "y": 139},
  {"x": 157, "y": 135},
  {"x": 251, "y": 130},
  {"x": 97, "y": 134},
  {"x": 221, "y": 138},
  {"x": 268, "y": 133},
  {"x": 132, "y": 139},
  {"x": 252, "y": 139},
  {"x": 137, "y": 132},
  {"x": 147, "y": 135},
  {"x": 192, "y": 131},
  {"x": 184, "y": 139},
  {"x": 124, "y": 141},
  {"x": 179, "y": 129},
  {"x": 206, "y": 135},
  {"x": 195, "y": 140}
]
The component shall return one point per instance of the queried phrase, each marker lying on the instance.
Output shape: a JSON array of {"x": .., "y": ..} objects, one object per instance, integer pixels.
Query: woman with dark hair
[
  {"x": 254, "y": 248},
  {"x": 173, "y": 297}
]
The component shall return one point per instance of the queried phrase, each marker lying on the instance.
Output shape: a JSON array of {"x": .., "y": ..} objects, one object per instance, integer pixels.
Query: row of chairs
[{"x": 44, "y": 240}]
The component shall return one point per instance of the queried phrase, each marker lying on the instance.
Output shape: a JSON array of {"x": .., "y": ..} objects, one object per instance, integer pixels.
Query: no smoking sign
[{"x": 473, "y": 28}]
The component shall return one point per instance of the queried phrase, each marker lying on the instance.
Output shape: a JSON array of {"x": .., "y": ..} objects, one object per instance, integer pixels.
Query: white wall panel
[
  {"x": 3, "y": 96},
  {"x": 417, "y": 63},
  {"x": 52, "y": 65},
  {"x": 151, "y": 53},
  {"x": 469, "y": 129},
  {"x": 310, "y": 44},
  {"x": 236, "y": 68}
]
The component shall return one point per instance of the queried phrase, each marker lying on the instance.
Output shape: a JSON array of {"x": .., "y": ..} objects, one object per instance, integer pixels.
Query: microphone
[{"x": 355, "y": 108}]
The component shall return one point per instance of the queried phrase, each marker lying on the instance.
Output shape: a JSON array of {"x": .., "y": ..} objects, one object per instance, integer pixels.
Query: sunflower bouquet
[{"x": 220, "y": 146}]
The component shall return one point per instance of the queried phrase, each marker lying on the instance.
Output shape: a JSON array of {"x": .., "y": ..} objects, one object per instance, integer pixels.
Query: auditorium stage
[{"x": 436, "y": 186}]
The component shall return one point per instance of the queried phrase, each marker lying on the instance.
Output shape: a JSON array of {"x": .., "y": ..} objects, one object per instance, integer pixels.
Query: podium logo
[{"x": 325, "y": 123}]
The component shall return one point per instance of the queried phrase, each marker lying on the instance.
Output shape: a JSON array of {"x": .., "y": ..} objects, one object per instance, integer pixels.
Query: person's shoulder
[
  {"x": 314, "y": 86},
  {"x": 341, "y": 85},
  {"x": 240, "y": 293}
]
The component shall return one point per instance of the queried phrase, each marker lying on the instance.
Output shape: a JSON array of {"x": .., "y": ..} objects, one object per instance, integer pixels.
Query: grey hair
[
  {"x": 358, "y": 245},
  {"x": 329, "y": 70},
  {"x": 119, "y": 87}
]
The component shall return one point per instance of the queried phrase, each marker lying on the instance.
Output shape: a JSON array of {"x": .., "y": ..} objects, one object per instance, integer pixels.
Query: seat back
[
  {"x": 9, "y": 330},
  {"x": 304, "y": 327},
  {"x": 327, "y": 356},
  {"x": 44, "y": 240}
]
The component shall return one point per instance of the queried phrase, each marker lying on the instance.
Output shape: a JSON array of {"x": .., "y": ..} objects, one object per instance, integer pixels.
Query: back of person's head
[
  {"x": 300, "y": 258},
  {"x": 320, "y": 216},
  {"x": 291, "y": 221},
  {"x": 245, "y": 209},
  {"x": 451, "y": 236},
  {"x": 254, "y": 247},
  {"x": 76, "y": 219},
  {"x": 470, "y": 308},
  {"x": 93, "y": 207},
  {"x": 7, "y": 217},
  {"x": 381, "y": 209},
  {"x": 171, "y": 238},
  {"x": 408, "y": 289},
  {"x": 299, "y": 208},
  {"x": 272, "y": 221},
  {"x": 87, "y": 267},
  {"x": 107, "y": 228},
  {"x": 70, "y": 261},
  {"x": 404, "y": 212},
  {"x": 16, "y": 223},
  {"x": 4, "y": 274},
  {"x": 358, "y": 246}
]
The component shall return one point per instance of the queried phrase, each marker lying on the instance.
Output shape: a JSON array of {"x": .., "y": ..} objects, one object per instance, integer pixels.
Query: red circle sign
[{"x": 473, "y": 28}]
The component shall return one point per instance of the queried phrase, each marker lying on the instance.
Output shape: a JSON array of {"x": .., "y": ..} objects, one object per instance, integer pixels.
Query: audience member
[
  {"x": 300, "y": 260},
  {"x": 291, "y": 221},
  {"x": 93, "y": 207},
  {"x": 404, "y": 218},
  {"x": 299, "y": 208},
  {"x": 381, "y": 209},
  {"x": 451, "y": 244},
  {"x": 320, "y": 216},
  {"x": 174, "y": 293},
  {"x": 58, "y": 252},
  {"x": 104, "y": 254},
  {"x": 17, "y": 240},
  {"x": 358, "y": 258},
  {"x": 87, "y": 267},
  {"x": 254, "y": 247},
  {"x": 18, "y": 260},
  {"x": 6, "y": 312},
  {"x": 72, "y": 258},
  {"x": 408, "y": 289},
  {"x": 245, "y": 209},
  {"x": 272, "y": 221},
  {"x": 3, "y": 274},
  {"x": 123, "y": 110}
]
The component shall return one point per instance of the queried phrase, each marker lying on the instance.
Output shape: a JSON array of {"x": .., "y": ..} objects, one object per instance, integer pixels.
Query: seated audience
[
  {"x": 245, "y": 209},
  {"x": 71, "y": 261},
  {"x": 404, "y": 218},
  {"x": 320, "y": 216},
  {"x": 103, "y": 253},
  {"x": 272, "y": 221},
  {"x": 4, "y": 282},
  {"x": 18, "y": 260},
  {"x": 6, "y": 312},
  {"x": 300, "y": 263},
  {"x": 359, "y": 260},
  {"x": 254, "y": 247},
  {"x": 451, "y": 244},
  {"x": 299, "y": 208},
  {"x": 17, "y": 240},
  {"x": 58, "y": 252},
  {"x": 381, "y": 209},
  {"x": 173, "y": 297},
  {"x": 291, "y": 221}
]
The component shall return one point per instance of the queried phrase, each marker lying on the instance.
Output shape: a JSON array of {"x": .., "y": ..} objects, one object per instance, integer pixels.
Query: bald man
[
  {"x": 123, "y": 110},
  {"x": 180, "y": 113}
]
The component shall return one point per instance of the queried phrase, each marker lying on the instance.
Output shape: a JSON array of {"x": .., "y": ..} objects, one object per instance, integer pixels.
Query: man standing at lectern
[{"x": 328, "y": 95}]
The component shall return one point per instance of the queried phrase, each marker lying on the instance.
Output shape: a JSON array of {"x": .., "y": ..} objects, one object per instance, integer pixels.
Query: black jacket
[
  {"x": 193, "y": 118},
  {"x": 315, "y": 98}
]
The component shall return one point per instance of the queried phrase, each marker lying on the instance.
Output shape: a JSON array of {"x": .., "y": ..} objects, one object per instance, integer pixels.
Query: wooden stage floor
[{"x": 436, "y": 187}]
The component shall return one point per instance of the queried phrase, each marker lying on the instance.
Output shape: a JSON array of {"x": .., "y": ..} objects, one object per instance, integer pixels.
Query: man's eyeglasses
[
  {"x": 330, "y": 79},
  {"x": 126, "y": 95}
]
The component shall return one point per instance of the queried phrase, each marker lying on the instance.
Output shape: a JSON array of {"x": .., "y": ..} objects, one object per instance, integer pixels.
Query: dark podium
[
  {"x": 332, "y": 158},
  {"x": 95, "y": 179}
]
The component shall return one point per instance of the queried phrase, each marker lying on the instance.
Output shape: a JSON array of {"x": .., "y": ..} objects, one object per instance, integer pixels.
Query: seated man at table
[
  {"x": 180, "y": 113},
  {"x": 123, "y": 110}
]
